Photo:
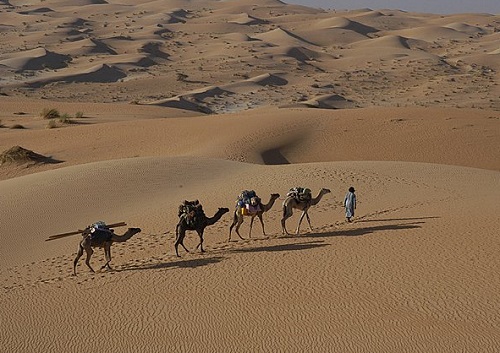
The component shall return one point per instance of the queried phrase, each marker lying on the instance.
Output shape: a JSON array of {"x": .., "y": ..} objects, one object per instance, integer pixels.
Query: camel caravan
[{"x": 192, "y": 217}]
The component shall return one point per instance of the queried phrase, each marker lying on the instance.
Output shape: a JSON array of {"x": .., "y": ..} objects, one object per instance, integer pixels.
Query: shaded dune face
[
  {"x": 375, "y": 58},
  {"x": 159, "y": 102}
]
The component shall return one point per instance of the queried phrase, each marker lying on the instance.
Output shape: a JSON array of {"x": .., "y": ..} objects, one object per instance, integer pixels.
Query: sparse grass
[
  {"x": 65, "y": 119},
  {"x": 181, "y": 77},
  {"x": 51, "y": 124},
  {"x": 50, "y": 113},
  {"x": 19, "y": 155},
  {"x": 56, "y": 118}
]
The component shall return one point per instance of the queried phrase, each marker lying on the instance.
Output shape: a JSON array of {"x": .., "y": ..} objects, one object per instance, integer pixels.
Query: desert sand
[{"x": 165, "y": 101}]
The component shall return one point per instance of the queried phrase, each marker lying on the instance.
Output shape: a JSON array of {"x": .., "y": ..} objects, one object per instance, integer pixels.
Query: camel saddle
[
  {"x": 249, "y": 209},
  {"x": 300, "y": 194},
  {"x": 98, "y": 231},
  {"x": 100, "y": 235},
  {"x": 248, "y": 198},
  {"x": 189, "y": 207},
  {"x": 190, "y": 211}
]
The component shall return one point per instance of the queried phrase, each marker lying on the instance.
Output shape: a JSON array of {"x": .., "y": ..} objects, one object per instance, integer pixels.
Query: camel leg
[
  {"x": 261, "y": 222},
  {"x": 237, "y": 221},
  {"x": 200, "y": 245},
  {"x": 238, "y": 225},
  {"x": 286, "y": 214},
  {"x": 304, "y": 213},
  {"x": 107, "y": 255},
  {"x": 89, "y": 252},
  {"x": 251, "y": 226},
  {"x": 78, "y": 255},
  {"x": 309, "y": 221},
  {"x": 179, "y": 239}
]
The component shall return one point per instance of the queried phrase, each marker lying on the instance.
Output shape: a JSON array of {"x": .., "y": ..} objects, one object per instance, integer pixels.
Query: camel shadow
[
  {"x": 396, "y": 219},
  {"x": 193, "y": 263},
  {"x": 356, "y": 232},
  {"x": 282, "y": 247}
]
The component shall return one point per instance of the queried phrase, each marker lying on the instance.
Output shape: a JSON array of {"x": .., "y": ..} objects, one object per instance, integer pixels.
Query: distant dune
[
  {"x": 154, "y": 103},
  {"x": 109, "y": 42}
]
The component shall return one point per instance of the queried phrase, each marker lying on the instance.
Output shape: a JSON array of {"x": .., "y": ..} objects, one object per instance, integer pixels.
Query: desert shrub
[
  {"x": 50, "y": 113},
  {"x": 65, "y": 119},
  {"x": 1, "y": 124},
  {"x": 18, "y": 154},
  {"x": 51, "y": 124},
  {"x": 181, "y": 77},
  {"x": 79, "y": 115},
  {"x": 17, "y": 126}
]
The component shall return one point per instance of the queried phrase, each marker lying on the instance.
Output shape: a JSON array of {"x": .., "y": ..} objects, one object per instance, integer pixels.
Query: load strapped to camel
[
  {"x": 98, "y": 229},
  {"x": 100, "y": 225},
  {"x": 191, "y": 210},
  {"x": 300, "y": 194},
  {"x": 248, "y": 202}
]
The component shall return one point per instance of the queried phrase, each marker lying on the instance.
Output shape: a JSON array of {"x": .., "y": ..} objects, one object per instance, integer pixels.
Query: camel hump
[
  {"x": 190, "y": 208},
  {"x": 247, "y": 197},
  {"x": 101, "y": 235},
  {"x": 191, "y": 211},
  {"x": 300, "y": 193}
]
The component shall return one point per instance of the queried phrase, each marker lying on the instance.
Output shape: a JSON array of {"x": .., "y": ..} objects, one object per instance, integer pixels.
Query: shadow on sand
[
  {"x": 396, "y": 219},
  {"x": 274, "y": 157},
  {"x": 291, "y": 246},
  {"x": 282, "y": 247},
  {"x": 355, "y": 232},
  {"x": 192, "y": 263}
]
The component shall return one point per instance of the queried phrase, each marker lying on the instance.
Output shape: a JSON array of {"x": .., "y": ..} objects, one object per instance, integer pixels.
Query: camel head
[
  {"x": 223, "y": 210},
  {"x": 134, "y": 231},
  {"x": 275, "y": 196},
  {"x": 325, "y": 191}
]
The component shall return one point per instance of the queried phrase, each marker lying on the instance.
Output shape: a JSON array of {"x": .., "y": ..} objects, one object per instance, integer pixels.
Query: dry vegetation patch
[{"x": 20, "y": 155}]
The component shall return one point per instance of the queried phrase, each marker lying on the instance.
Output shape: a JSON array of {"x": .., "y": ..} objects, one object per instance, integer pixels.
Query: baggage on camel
[
  {"x": 249, "y": 202},
  {"x": 191, "y": 210},
  {"x": 300, "y": 193}
]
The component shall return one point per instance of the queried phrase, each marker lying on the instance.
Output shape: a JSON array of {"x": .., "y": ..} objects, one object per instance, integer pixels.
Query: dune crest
[
  {"x": 157, "y": 102},
  {"x": 221, "y": 42}
]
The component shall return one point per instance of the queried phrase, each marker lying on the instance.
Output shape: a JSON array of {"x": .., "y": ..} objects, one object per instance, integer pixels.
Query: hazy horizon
[{"x": 430, "y": 6}]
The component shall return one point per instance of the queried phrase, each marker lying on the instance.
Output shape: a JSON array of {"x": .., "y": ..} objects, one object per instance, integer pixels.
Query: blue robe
[{"x": 350, "y": 204}]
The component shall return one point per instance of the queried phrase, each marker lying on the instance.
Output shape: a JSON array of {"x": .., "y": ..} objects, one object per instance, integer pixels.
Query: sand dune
[
  {"x": 36, "y": 59},
  {"x": 96, "y": 73},
  {"x": 342, "y": 22},
  {"x": 381, "y": 256},
  {"x": 89, "y": 46},
  {"x": 329, "y": 101},
  {"x": 165, "y": 101},
  {"x": 281, "y": 36},
  {"x": 246, "y": 19},
  {"x": 203, "y": 41}
]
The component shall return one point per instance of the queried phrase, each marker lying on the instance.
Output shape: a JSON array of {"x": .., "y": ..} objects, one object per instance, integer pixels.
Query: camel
[
  {"x": 101, "y": 239},
  {"x": 199, "y": 224},
  {"x": 291, "y": 202},
  {"x": 238, "y": 216}
]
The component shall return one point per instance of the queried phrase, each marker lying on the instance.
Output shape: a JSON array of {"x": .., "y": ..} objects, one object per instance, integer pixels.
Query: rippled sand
[{"x": 401, "y": 106}]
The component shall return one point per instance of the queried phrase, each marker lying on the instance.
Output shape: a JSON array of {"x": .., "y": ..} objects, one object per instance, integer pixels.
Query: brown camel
[
  {"x": 291, "y": 202},
  {"x": 239, "y": 216},
  {"x": 100, "y": 239},
  {"x": 198, "y": 223}
]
